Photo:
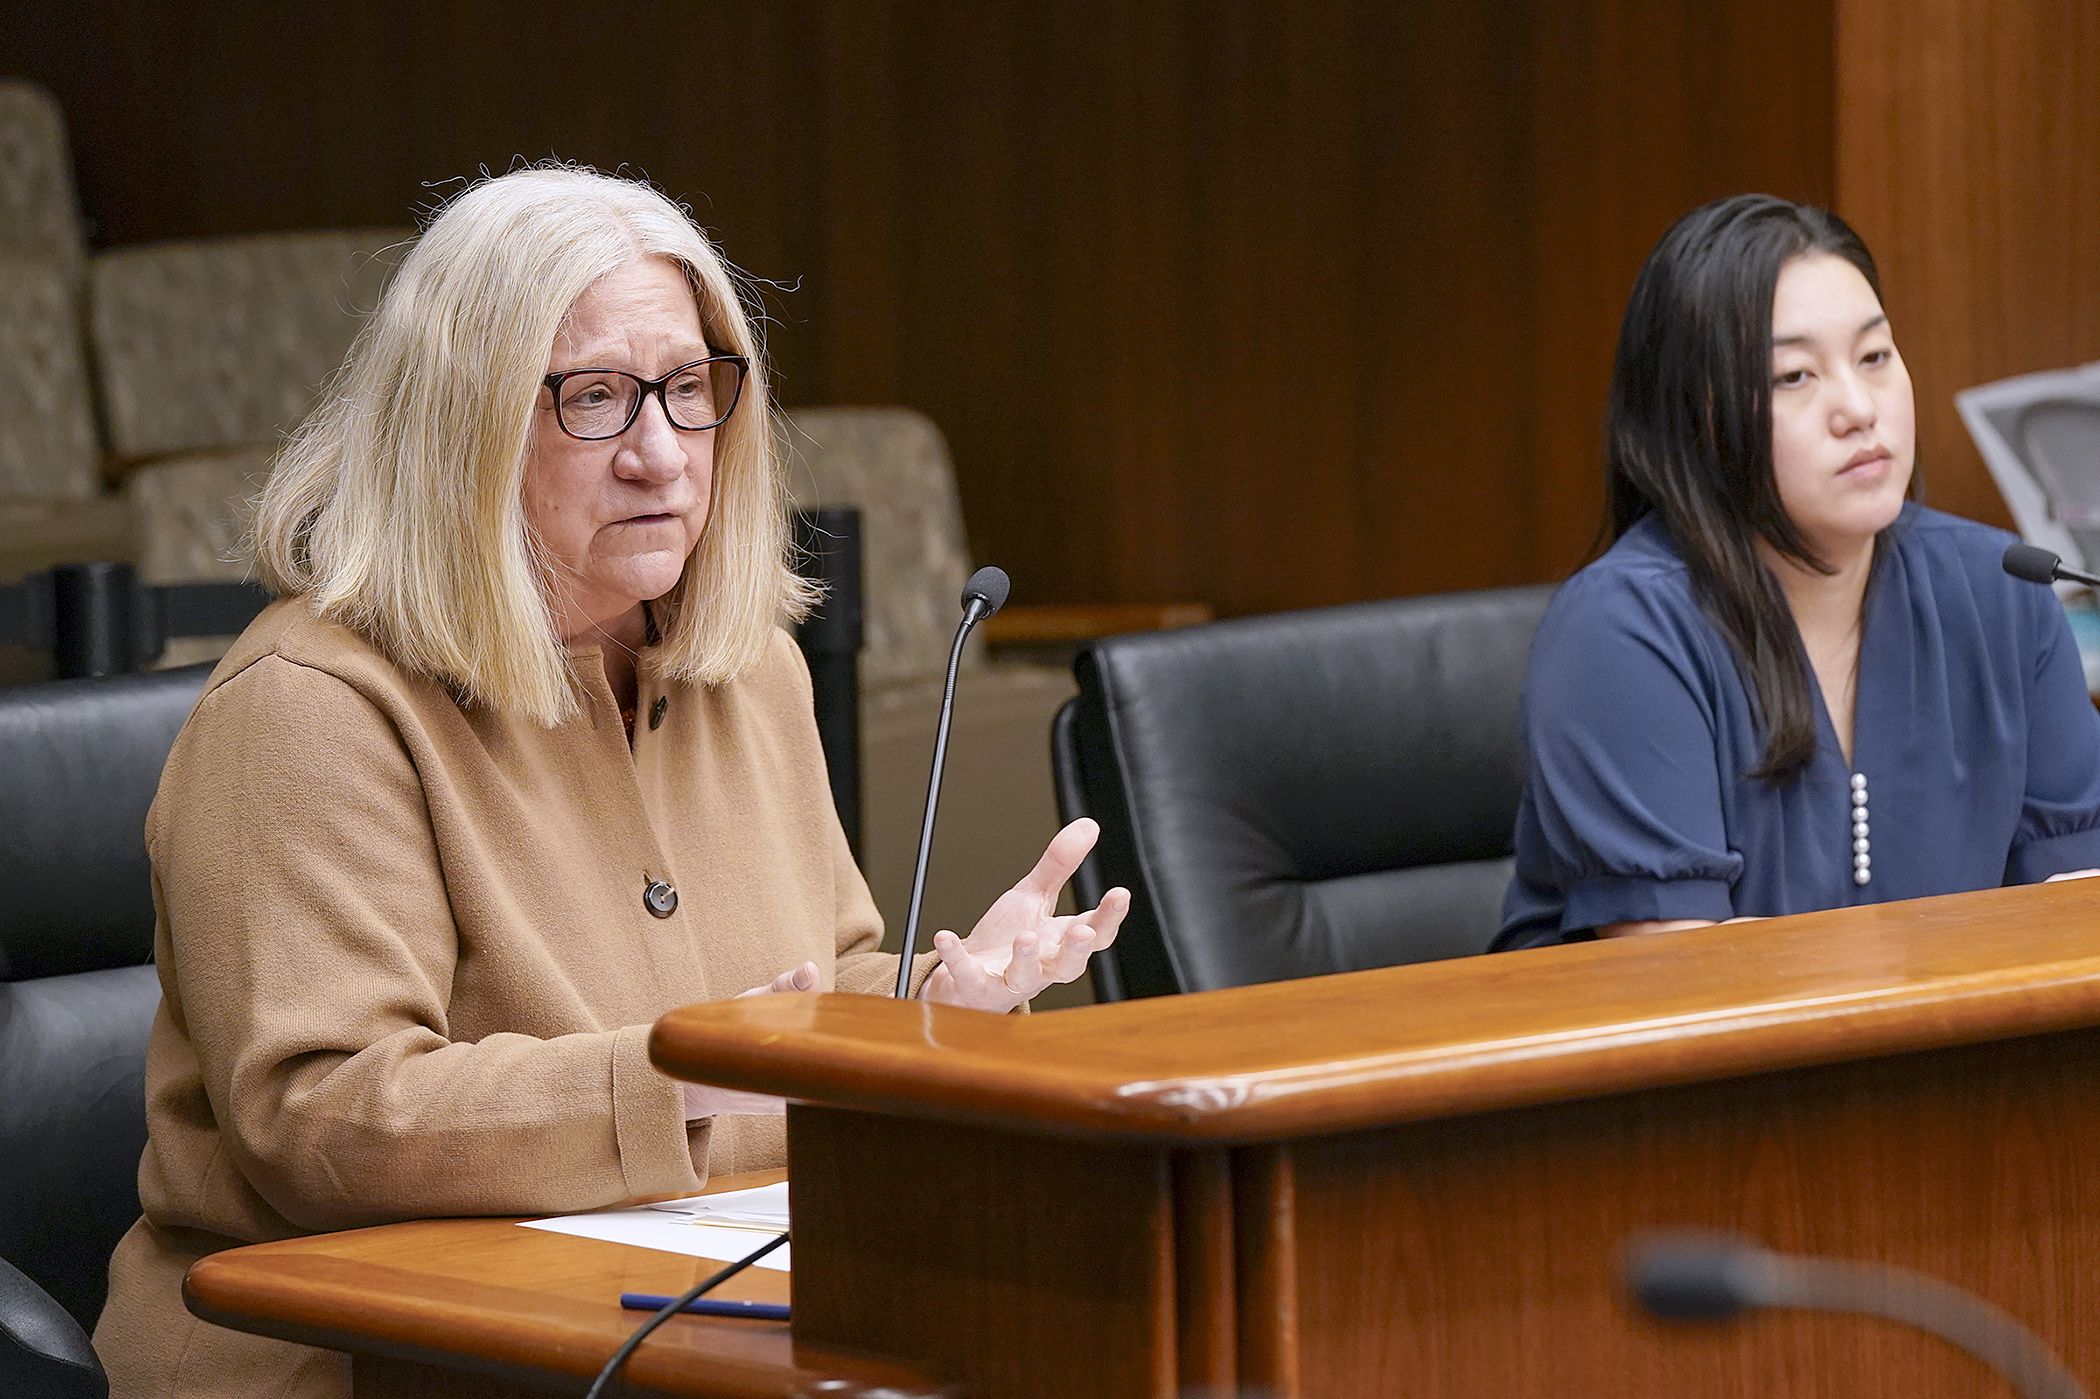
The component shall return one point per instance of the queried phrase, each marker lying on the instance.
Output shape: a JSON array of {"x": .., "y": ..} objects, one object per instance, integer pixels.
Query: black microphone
[
  {"x": 1691, "y": 1277},
  {"x": 983, "y": 595},
  {"x": 2040, "y": 566}
]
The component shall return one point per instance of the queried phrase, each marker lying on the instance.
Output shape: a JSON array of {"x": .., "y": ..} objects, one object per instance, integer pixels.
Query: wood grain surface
[
  {"x": 1023, "y": 1268},
  {"x": 1369, "y": 1048},
  {"x": 1639, "y": 112},
  {"x": 1484, "y": 1255},
  {"x": 1072, "y": 622},
  {"x": 1267, "y": 1266},
  {"x": 1479, "y": 1254},
  {"x": 1415, "y": 1181},
  {"x": 1206, "y": 1276},
  {"x": 1965, "y": 157},
  {"x": 1270, "y": 304},
  {"x": 513, "y": 1306}
]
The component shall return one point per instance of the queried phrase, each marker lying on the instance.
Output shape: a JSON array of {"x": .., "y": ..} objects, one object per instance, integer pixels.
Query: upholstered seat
[
  {"x": 201, "y": 354},
  {"x": 48, "y": 449},
  {"x": 53, "y": 508},
  {"x": 997, "y": 810},
  {"x": 225, "y": 343},
  {"x": 1302, "y": 793},
  {"x": 80, "y": 761},
  {"x": 207, "y": 354}
]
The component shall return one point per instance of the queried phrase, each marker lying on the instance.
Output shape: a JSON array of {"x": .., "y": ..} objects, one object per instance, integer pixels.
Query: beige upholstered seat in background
[
  {"x": 203, "y": 355},
  {"x": 997, "y": 808},
  {"x": 205, "y": 346},
  {"x": 52, "y": 507},
  {"x": 47, "y": 425},
  {"x": 49, "y": 454},
  {"x": 892, "y": 465},
  {"x": 52, "y": 504},
  {"x": 206, "y": 355},
  {"x": 39, "y": 217}
]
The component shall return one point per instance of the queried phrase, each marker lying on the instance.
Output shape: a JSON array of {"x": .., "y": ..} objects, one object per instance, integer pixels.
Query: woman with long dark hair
[{"x": 1785, "y": 685}]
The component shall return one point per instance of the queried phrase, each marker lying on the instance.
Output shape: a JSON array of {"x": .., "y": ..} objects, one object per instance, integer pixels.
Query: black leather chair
[
  {"x": 79, "y": 763},
  {"x": 1300, "y": 793}
]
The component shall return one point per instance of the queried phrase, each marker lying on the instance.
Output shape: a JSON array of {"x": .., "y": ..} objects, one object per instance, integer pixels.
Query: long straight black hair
[{"x": 1690, "y": 435}]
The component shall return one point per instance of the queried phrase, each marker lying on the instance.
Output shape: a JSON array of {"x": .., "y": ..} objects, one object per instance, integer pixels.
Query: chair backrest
[
  {"x": 44, "y": 1350},
  {"x": 48, "y": 450},
  {"x": 189, "y": 514},
  {"x": 1301, "y": 793},
  {"x": 80, "y": 761},
  {"x": 202, "y": 346},
  {"x": 2040, "y": 436},
  {"x": 48, "y": 447},
  {"x": 207, "y": 354},
  {"x": 892, "y": 465},
  {"x": 39, "y": 214}
]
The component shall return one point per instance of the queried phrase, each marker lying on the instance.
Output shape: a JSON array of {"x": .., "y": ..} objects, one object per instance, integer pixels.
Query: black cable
[{"x": 628, "y": 1347}]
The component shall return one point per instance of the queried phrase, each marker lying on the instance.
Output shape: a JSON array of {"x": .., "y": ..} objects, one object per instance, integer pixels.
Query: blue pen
[{"x": 707, "y": 1306}]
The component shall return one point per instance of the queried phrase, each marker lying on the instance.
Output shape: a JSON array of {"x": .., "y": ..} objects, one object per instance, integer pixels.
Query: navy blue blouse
[{"x": 1979, "y": 746}]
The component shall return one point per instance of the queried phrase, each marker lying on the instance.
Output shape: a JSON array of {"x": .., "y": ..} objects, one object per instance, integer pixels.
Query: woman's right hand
[
  {"x": 706, "y": 1100},
  {"x": 802, "y": 978}
]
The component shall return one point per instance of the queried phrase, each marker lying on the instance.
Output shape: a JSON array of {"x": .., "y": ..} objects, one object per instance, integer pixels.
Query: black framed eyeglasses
[{"x": 594, "y": 404}]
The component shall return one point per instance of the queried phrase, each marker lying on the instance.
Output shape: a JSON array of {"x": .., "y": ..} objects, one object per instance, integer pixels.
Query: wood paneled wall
[
  {"x": 1969, "y": 159},
  {"x": 1268, "y": 304},
  {"x": 1643, "y": 111}
]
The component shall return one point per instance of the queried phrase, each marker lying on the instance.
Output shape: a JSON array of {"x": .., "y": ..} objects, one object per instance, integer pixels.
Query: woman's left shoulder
[
  {"x": 778, "y": 681},
  {"x": 782, "y": 667},
  {"x": 1948, "y": 544},
  {"x": 1931, "y": 533},
  {"x": 1964, "y": 557}
]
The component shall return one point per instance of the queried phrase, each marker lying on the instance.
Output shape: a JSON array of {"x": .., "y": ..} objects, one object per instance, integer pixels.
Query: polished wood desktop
[
  {"x": 474, "y": 1308},
  {"x": 1411, "y": 1181},
  {"x": 1421, "y": 1180}
]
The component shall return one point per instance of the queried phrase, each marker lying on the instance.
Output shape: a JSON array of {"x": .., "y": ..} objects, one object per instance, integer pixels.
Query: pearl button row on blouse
[{"x": 1862, "y": 848}]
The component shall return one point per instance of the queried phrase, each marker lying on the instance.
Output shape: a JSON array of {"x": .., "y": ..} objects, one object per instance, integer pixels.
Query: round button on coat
[{"x": 660, "y": 899}]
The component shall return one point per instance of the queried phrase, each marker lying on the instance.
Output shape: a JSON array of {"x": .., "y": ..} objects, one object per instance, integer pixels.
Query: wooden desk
[
  {"x": 467, "y": 1308},
  {"x": 1419, "y": 1181}
]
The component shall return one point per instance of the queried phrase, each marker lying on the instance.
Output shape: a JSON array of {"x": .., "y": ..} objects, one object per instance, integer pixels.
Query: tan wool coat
[{"x": 407, "y": 969}]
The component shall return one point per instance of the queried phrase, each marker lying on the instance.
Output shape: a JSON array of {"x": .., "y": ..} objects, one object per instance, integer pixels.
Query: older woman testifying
[{"x": 521, "y": 761}]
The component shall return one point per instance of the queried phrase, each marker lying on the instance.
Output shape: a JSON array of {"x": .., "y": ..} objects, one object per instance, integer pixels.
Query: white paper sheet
[{"x": 745, "y": 1218}]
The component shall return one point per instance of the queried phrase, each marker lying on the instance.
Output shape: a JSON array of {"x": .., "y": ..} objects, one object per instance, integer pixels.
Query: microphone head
[
  {"x": 989, "y": 585},
  {"x": 1694, "y": 1277},
  {"x": 2033, "y": 564}
]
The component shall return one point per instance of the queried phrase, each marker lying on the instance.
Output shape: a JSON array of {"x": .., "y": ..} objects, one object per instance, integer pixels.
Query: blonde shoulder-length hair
[{"x": 397, "y": 508}]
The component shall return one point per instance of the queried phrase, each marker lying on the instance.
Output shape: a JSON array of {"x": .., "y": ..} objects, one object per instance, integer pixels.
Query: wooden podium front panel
[
  {"x": 1022, "y": 1266},
  {"x": 1483, "y": 1255}
]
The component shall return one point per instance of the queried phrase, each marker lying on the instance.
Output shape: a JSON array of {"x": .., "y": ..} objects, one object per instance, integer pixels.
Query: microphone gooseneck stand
[
  {"x": 1704, "y": 1278},
  {"x": 983, "y": 595}
]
